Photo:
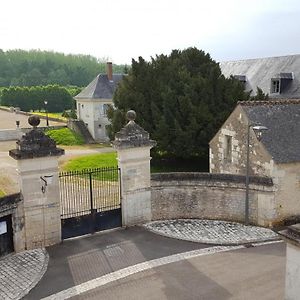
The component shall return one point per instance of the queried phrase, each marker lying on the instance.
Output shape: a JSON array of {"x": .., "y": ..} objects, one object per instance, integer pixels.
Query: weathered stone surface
[
  {"x": 133, "y": 146},
  {"x": 185, "y": 196},
  {"x": 132, "y": 135},
  {"x": 35, "y": 144}
]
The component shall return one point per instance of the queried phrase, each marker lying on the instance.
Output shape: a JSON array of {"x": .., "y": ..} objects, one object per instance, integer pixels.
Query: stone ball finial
[
  {"x": 34, "y": 121},
  {"x": 131, "y": 115}
]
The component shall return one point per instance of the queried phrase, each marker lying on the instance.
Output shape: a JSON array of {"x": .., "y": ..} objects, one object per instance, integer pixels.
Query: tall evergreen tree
[{"x": 181, "y": 100}]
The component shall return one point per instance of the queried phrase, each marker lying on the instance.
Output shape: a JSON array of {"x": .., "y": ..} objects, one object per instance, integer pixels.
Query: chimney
[{"x": 109, "y": 71}]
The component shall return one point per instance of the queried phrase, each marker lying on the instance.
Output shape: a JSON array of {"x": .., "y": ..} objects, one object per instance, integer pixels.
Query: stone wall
[
  {"x": 16, "y": 134},
  {"x": 211, "y": 196},
  {"x": 13, "y": 205},
  {"x": 235, "y": 127},
  {"x": 286, "y": 178}
]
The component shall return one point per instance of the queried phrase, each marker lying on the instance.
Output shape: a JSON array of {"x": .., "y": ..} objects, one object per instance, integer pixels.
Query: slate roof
[
  {"x": 100, "y": 87},
  {"x": 282, "y": 118},
  {"x": 260, "y": 71}
]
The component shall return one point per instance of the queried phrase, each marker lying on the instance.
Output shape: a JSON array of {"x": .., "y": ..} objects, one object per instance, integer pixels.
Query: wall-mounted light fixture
[{"x": 46, "y": 180}]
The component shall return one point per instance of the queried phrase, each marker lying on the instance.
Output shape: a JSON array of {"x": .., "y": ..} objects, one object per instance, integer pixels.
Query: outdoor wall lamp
[
  {"x": 46, "y": 179},
  {"x": 258, "y": 130}
]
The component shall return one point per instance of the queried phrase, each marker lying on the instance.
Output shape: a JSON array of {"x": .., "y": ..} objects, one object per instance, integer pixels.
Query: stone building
[
  {"x": 275, "y": 155},
  {"x": 279, "y": 77},
  {"x": 93, "y": 101}
]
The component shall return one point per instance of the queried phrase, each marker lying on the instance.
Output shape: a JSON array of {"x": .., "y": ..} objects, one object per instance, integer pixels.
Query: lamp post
[
  {"x": 258, "y": 129},
  {"x": 47, "y": 120}
]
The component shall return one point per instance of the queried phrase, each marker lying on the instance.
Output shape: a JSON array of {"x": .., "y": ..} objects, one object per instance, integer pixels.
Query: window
[
  {"x": 275, "y": 86},
  {"x": 228, "y": 148},
  {"x": 105, "y": 108}
]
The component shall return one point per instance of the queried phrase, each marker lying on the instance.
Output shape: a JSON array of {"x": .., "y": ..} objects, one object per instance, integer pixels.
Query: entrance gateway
[{"x": 90, "y": 201}]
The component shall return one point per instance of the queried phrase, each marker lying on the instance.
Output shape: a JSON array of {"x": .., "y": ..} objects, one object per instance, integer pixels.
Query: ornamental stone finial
[
  {"x": 34, "y": 121},
  {"x": 131, "y": 115},
  {"x": 132, "y": 135},
  {"x": 35, "y": 143}
]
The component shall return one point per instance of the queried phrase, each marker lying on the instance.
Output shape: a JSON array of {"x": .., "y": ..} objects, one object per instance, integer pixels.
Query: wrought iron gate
[{"x": 90, "y": 201}]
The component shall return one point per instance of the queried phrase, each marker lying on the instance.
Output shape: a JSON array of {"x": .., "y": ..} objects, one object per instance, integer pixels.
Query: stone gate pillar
[
  {"x": 133, "y": 146},
  {"x": 37, "y": 166}
]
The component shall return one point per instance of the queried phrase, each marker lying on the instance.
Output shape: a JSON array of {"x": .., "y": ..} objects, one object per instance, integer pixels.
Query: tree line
[
  {"x": 35, "y": 67},
  {"x": 32, "y": 98}
]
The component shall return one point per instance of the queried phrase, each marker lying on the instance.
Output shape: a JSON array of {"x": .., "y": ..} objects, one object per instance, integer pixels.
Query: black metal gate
[
  {"x": 6, "y": 235},
  {"x": 90, "y": 201}
]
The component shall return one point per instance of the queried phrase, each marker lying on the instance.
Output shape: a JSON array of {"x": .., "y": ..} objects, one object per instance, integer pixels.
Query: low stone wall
[
  {"x": 211, "y": 196},
  {"x": 10, "y": 134},
  {"x": 16, "y": 134}
]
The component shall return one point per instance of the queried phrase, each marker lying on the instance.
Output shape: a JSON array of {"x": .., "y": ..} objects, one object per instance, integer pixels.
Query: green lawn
[
  {"x": 65, "y": 136},
  {"x": 100, "y": 160},
  {"x": 2, "y": 193},
  {"x": 51, "y": 115}
]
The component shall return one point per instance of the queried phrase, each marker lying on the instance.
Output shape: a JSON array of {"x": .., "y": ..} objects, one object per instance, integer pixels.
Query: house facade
[
  {"x": 279, "y": 77},
  {"x": 93, "y": 101},
  {"x": 275, "y": 155}
]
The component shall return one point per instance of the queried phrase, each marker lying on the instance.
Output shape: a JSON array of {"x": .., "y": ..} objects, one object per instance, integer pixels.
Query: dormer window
[
  {"x": 275, "y": 86},
  {"x": 280, "y": 82},
  {"x": 241, "y": 78}
]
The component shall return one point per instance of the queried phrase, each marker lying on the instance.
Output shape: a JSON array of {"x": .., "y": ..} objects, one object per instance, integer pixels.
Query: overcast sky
[{"x": 125, "y": 29}]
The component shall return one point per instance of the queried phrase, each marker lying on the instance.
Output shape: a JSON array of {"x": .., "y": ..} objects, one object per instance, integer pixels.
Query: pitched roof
[
  {"x": 260, "y": 71},
  {"x": 282, "y": 118},
  {"x": 100, "y": 87}
]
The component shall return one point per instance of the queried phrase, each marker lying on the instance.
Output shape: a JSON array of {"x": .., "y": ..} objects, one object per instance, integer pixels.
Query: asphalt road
[
  {"x": 8, "y": 121},
  {"x": 248, "y": 273}
]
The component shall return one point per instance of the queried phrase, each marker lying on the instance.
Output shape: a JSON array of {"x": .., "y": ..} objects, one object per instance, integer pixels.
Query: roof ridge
[
  {"x": 260, "y": 58},
  {"x": 269, "y": 102}
]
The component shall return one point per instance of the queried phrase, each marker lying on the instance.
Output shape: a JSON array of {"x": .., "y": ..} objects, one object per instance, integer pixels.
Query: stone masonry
[
  {"x": 133, "y": 146},
  {"x": 210, "y": 196},
  {"x": 37, "y": 166}
]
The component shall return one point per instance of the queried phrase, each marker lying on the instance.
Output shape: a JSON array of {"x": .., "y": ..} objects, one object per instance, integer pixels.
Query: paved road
[
  {"x": 247, "y": 274},
  {"x": 137, "y": 264},
  {"x": 8, "y": 121},
  {"x": 79, "y": 260}
]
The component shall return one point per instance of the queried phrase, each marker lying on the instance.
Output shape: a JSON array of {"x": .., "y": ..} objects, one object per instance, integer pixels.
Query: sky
[{"x": 119, "y": 30}]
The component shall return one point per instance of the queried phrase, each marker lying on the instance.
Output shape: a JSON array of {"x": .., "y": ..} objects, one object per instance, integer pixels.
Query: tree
[
  {"x": 260, "y": 95},
  {"x": 181, "y": 99},
  {"x": 34, "y": 67}
]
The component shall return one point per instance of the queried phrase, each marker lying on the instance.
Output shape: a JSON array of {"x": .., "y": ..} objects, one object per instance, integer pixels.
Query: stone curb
[
  {"x": 40, "y": 275},
  {"x": 37, "y": 260}
]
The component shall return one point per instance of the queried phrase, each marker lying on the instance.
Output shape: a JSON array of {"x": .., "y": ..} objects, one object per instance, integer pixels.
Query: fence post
[
  {"x": 133, "y": 146},
  {"x": 37, "y": 165}
]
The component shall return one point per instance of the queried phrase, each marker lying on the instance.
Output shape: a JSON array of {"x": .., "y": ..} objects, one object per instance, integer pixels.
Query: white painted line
[{"x": 122, "y": 273}]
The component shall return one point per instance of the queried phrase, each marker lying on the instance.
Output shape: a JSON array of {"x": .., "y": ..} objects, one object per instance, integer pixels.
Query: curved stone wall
[{"x": 211, "y": 196}]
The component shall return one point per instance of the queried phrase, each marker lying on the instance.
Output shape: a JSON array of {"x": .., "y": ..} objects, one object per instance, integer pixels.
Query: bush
[{"x": 65, "y": 136}]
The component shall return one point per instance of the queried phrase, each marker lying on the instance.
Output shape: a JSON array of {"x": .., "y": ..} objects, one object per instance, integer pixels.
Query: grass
[
  {"x": 65, "y": 136},
  {"x": 51, "y": 115},
  {"x": 2, "y": 193},
  {"x": 101, "y": 160}
]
